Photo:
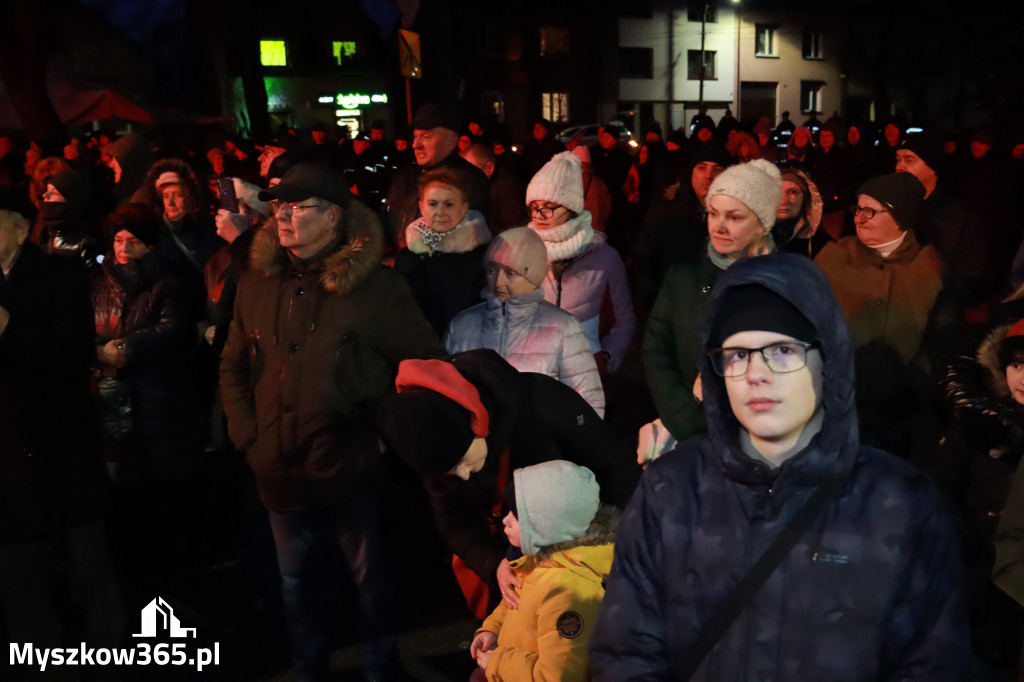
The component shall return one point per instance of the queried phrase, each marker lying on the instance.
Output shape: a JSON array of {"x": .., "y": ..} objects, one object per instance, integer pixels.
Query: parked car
[{"x": 588, "y": 134}]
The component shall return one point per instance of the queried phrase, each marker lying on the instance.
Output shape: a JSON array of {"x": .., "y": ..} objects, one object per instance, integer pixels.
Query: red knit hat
[{"x": 434, "y": 418}]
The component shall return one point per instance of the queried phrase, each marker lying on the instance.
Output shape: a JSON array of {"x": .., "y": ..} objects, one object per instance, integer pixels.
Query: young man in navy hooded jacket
[{"x": 871, "y": 589}]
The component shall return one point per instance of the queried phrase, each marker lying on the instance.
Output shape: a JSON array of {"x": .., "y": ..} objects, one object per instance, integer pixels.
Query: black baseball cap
[{"x": 310, "y": 179}]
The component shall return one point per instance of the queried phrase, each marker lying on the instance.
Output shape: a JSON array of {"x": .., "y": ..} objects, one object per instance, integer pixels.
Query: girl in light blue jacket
[{"x": 516, "y": 322}]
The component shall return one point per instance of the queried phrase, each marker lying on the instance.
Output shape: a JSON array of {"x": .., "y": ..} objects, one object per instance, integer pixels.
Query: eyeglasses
[
  {"x": 781, "y": 358},
  {"x": 866, "y": 211},
  {"x": 278, "y": 206},
  {"x": 543, "y": 211}
]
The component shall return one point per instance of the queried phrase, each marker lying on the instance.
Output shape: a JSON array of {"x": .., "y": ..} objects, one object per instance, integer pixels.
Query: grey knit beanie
[
  {"x": 555, "y": 501},
  {"x": 757, "y": 184},
  {"x": 560, "y": 181},
  {"x": 521, "y": 249}
]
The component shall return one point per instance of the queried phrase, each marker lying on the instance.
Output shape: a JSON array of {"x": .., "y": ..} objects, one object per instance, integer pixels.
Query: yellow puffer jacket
[{"x": 546, "y": 638}]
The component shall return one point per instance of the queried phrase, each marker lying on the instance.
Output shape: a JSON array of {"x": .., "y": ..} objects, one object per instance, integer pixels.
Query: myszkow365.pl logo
[{"x": 158, "y": 620}]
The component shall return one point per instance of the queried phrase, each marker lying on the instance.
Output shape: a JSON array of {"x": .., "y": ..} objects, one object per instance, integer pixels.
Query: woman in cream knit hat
[
  {"x": 585, "y": 272},
  {"x": 742, "y": 204}
]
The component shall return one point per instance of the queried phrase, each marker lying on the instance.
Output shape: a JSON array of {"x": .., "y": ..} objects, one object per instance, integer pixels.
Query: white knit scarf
[{"x": 568, "y": 240}]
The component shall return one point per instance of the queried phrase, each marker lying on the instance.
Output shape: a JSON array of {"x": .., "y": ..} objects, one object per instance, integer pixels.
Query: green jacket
[
  {"x": 671, "y": 345},
  {"x": 311, "y": 351}
]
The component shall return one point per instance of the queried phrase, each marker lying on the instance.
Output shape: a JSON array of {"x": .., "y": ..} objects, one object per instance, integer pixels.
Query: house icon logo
[{"x": 158, "y": 617}]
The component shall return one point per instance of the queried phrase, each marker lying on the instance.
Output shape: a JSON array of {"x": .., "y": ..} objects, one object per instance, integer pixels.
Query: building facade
[
  {"x": 755, "y": 58},
  {"x": 664, "y": 73}
]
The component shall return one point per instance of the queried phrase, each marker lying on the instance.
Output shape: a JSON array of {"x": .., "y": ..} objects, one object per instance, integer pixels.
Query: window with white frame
[
  {"x": 810, "y": 96},
  {"x": 765, "y": 40},
  {"x": 812, "y": 44},
  {"x": 555, "y": 106},
  {"x": 693, "y": 65}
]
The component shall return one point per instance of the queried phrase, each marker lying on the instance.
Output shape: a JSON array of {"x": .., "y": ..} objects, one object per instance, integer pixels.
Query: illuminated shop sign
[{"x": 353, "y": 100}]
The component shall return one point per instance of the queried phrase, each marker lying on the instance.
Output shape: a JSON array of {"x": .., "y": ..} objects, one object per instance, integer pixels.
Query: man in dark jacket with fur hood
[
  {"x": 869, "y": 590},
  {"x": 319, "y": 329}
]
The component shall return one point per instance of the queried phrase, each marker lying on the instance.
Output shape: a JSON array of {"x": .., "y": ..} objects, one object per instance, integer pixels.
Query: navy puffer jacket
[{"x": 869, "y": 593}]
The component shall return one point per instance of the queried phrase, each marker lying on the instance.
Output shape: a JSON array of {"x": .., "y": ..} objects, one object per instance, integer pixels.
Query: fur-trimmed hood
[
  {"x": 358, "y": 255},
  {"x": 987, "y": 357},
  {"x": 601, "y": 532},
  {"x": 470, "y": 233}
]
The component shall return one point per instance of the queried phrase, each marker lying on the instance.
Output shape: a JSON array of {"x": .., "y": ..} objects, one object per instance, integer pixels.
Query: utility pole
[{"x": 703, "y": 23}]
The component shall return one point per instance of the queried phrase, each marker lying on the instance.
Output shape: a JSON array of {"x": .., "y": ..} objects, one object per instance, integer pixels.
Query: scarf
[
  {"x": 432, "y": 240},
  {"x": 568, "y": 240}
]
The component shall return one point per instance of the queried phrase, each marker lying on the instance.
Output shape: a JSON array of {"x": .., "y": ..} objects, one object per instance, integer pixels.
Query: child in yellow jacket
[{"x": 567, "y": 548}]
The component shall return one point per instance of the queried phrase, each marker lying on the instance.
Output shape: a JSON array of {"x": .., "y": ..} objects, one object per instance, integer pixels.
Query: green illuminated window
[
  {"x": 273, "y": 53},
  {"x": 343, "y": 50}
]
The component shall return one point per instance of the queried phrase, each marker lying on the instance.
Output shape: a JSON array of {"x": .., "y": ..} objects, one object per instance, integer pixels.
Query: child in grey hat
[
  {"x": 516, "y": 322},
  {"x": 567, "y": 554}
]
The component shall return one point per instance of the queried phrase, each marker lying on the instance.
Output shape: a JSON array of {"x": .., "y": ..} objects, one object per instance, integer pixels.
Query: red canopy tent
[{"x": 78, "y": 102}]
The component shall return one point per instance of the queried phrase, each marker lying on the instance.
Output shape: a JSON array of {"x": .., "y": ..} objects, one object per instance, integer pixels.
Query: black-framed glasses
[
  {"x": 781, "y": 358},
  {"x": 543, "y": 211},
  {"x": 867, "y": 211}
]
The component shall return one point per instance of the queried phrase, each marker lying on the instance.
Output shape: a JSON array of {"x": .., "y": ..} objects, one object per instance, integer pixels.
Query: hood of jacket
[
  {"x": 833, "y": 451},
  {"x": 501, "y": 392},
  {"x": 359, "y": 254},
  {"x": 987, "y": 357},
  {"x": 471, "y": 232},
  {"x": 809, "y": 222},
  {"x": 588, "y": 556}
]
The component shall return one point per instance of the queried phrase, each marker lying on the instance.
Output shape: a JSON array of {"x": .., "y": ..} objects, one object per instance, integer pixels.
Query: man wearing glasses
[
  {"x": 701, "y": 588},
  {"x": 890, "y": 289},
  {"x": 319, "y": 329}
]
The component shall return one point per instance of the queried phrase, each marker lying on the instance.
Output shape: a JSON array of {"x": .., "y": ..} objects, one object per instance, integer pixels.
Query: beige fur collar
[
  {"x": 352, "y": 263},
  {"x": 469, "y": 234}
]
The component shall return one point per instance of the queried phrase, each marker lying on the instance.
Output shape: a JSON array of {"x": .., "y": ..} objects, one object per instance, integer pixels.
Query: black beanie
[
  {"x": 901, "y": 193},
  {"x": 428, "y": 431},
  {"x": 712, "y": 151},
  {"x": 74, "y": 187},
  {"x": 752, "y": 307},
  {"x": 139, "y": 219},
  {"x": 927, "y": 146}
]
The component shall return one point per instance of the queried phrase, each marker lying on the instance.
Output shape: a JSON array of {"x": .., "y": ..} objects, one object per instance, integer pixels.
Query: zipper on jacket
[
  {"x": 254, "y": 342},
  {"x": 503, "y": 341}
]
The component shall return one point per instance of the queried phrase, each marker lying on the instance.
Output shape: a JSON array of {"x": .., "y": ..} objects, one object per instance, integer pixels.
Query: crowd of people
[{"x": 359, "y": 336}]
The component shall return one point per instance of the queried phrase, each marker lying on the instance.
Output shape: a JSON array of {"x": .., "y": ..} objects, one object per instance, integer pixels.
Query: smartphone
[{"x": 226, "y": 194}]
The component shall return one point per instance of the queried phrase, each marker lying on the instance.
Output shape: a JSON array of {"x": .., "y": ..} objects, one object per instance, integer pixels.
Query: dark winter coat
[
  {"x": 671, "y": 345},
  {"x": 148, "y": 406},
  {"x": 537, "y": 419},
  {"x": 952, "y": 229},
  {"x": 975, "y": 466},
  {"x": 871, "y": 591},
  {"x": 52, "y": 475},
  {"x": 900, "y": 328},
  {"x": 446, "y": 281},
  {"x": 312, "y": 349},
  {"x": 983, "y": 446}
]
